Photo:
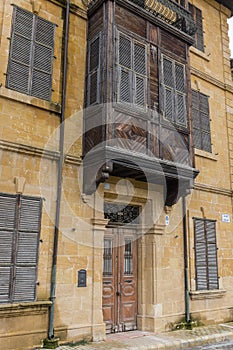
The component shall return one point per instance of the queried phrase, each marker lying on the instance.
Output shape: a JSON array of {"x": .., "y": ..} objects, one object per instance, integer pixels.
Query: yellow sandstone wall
[{"x": 212, "y": 196}]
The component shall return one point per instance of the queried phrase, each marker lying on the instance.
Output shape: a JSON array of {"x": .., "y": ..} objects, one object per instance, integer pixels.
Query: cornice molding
[
  {"x": 212, "y": 189},
  {"x": 212, "y": 80},
  {"x": 37, "y": 152},
  {"x": 24, "y": 308}
]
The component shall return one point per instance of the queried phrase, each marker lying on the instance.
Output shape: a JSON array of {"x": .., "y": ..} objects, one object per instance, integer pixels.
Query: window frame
[
  {"x": 199, "y": 111},
  {"x": 96, "y": 70},
  {"x": 133, "y": 74},
  {"x": 199, "y": 34},
  {"x": 21, "y": 238},
  {"x": 202, "y": 248},
  {"x": 175, "y": 92},
  {"x": 35, "y": 61}
]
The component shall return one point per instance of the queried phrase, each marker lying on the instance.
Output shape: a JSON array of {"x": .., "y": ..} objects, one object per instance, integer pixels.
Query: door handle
[{"x": 118, "y": 293}]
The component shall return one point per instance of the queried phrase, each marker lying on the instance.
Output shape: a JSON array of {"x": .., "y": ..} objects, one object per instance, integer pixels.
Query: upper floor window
[
  {"x": 31, "y": 54},
  {"x": 132, "y": 72},
  {"x": 198, "y": 36},
  {"x": 206, "y": 254},
  {"x": 201, "y": 121},
  {"x": 93, "y": 70},
  {"x": 174, "y": 91},
  {"x": 20, "y": 218}
]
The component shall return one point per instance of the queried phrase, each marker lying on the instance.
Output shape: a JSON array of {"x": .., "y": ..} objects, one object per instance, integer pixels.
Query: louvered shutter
[
  {"x": 7, "y": 236},
  {"x": 43, "y": 59},
  {"x": 181, "y": 116},
  {"x": 205, "y": 123},
  {"x": 93, "y": 71},
  {"x": 200, "y": 255},
  {"x": 31, "y": 55},
  {"x": 198, "y": 35},
  {"x": 18, "y": 72},
  {"x": 139, "y": 58},
  {"x": 206, "y": 255},
  {"x": 201, "y": 121},
  {"x": 196, "y": 120},
  {"x": 125, "y": 69},
  {"x": 27, "y": 249},
  {"x": 168, "y": 83},
  {"x": 212, "y": 255},
  {"x": 199, "y": 32},
  {"x": 125, "y": 85}
]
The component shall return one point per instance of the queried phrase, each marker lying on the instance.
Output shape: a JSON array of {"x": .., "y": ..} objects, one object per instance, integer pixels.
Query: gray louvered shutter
[
  {"x": 125, "y": 70},
  {"x": 43, "y": 59},
  {"x": 125, "y": 52},
  {"x": 7, "y": 237},
  {"x": 198, "y": 35},
  {"x": 205, "y": 123},
  {"x": 125, "y": 85},
  {"x": 27, "y": 249},
  {"x": 168, "y": 83},
  {"x": 201, "y": 121},
  {"x": 200, "y": 255},
  {"x": 199, "y": 32},
  {"x": 18, "y": 72},
  {"x": 196, "y": 120},
  {"x": 212, "y": 255},
  {"x": 181, "y": 114},
  {"x": 31, "y": 55},
  {"x": 139, "y": 58},
  {"x": 206, "y": 255},
  {"x": 94, "y": 71}
]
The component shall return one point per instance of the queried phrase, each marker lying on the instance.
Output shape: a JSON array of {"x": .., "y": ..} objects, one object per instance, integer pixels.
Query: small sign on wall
[
  {"x": 167, "y": 220},
  {"x": 226, "y": 218}
]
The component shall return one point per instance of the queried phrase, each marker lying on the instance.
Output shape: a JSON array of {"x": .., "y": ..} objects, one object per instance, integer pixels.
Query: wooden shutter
[
  {"x": 27, "y": 249},
  {"x": 212, "y": 262},
  {"x": 199, "y": 32},
  {"x": 31, "y": 54},
  {"x": 200, "y": 255},
  {"x": 93, "y": 71},
  {"x": 205, "y": 122},
  {"x": 168, "y": 83},
  {"x": 125, "y": 85},
  {"x": 43, "y": 59},
  {"x": 201, "y": 121},
  {"x": 139, "y": 67},
  {"x": 205, "y": 255},
  {"x": 18, "y": 73},
  {"x": 198, "y": 36},
  {"x": 196, "y": 120},
  {"x": 181, "y": 114},
  {"x": 7, "y": 236},
  {"x": 125, "y": 69}
]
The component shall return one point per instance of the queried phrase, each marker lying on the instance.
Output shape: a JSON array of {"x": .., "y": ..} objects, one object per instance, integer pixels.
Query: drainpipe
[
  {"x": 186, "y": 281},
  {"x": 59, "y": 177}
]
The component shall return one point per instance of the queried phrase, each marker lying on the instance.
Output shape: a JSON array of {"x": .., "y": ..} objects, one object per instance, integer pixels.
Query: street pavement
[
  {"x": 226, "y": 345},
  {"x": 199, "y": 338}
]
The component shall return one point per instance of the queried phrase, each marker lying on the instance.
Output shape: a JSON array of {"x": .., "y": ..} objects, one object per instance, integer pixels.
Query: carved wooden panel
[
  {"x": 130, "y": 133},
  {"x": 175, "y": 146}
]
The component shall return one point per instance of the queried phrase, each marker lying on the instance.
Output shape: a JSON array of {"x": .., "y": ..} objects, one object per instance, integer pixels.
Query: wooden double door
[{"x": 120, "y": 279}]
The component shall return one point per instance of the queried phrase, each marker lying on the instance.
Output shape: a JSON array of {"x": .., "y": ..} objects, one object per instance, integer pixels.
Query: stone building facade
[{"x": 136, "y": 232}]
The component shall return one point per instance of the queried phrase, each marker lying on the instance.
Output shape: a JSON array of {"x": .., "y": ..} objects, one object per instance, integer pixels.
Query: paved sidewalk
[{"x": 181, "y": 339}]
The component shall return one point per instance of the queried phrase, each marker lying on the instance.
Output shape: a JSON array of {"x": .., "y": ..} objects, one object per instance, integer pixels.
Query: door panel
[{"x": 120, "y": 280}]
